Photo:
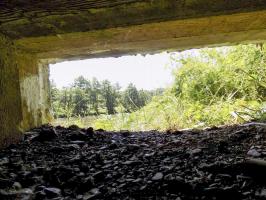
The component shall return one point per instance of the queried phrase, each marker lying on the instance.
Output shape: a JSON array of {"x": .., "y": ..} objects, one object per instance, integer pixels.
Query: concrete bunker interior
[
  {"x": 34, "y": 34},
  {"x": 219, "y": 164}
]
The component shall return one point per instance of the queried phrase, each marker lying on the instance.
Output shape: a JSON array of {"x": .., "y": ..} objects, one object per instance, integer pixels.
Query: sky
[{"x": 145, "y": 72}]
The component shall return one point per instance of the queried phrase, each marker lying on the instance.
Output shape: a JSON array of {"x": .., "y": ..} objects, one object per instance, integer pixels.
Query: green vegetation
[
  {"x": 87, "y": 98},
  {"x": 212, "y": 87}
]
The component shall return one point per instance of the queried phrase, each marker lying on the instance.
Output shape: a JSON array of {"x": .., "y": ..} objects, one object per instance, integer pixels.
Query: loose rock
[
  {"x": 158, "y": 176},
  {"x": 74, "y": 163},
  {"x": 253, "y": 153}
]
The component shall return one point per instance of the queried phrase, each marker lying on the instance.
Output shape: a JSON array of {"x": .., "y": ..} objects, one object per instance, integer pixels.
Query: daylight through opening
[{"x": 197, "y": 88}]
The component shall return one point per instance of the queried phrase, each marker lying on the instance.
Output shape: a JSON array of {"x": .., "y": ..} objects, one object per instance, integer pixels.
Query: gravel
[{"x": 73, "y": 163}]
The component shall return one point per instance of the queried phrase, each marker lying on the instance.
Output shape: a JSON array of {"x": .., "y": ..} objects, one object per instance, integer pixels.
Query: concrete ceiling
[{"x": 73, "y": 29}]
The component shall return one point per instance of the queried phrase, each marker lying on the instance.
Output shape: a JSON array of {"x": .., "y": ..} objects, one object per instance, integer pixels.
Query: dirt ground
[{"x": 73, "y": 163}]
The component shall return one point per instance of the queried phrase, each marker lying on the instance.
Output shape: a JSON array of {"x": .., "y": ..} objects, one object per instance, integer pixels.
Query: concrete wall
[
  {"x": 10, "y": 101},
  {"x": 23, "y": 92},
  {"x": 34, "y": 90}
]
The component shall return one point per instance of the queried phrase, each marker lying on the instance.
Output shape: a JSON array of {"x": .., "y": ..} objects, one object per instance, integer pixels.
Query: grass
[{"x": 170, "y": 112}]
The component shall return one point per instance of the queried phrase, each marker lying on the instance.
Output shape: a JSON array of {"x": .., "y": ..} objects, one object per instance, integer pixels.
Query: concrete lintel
[
  {"x": 149, "y": 38},
  {"x": 47, "y": 18}
]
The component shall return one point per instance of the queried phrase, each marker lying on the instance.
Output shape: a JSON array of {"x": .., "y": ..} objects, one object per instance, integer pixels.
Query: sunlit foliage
[{"x": 215, "y": 86}]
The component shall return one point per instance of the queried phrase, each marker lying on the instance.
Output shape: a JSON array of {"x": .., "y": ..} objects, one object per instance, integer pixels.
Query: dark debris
[{"x": 60, "y": 163}]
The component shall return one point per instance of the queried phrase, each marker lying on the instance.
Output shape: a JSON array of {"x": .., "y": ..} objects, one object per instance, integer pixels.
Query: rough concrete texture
[
  {"x": 23, "y": 89},
  {"x": 42, "y": 18},
  {"x": 10, "y": 101},
  {"x": 34, "y": 88},
  {"x": 35, "y": 33},
  {"x": 154, "y": 37}
]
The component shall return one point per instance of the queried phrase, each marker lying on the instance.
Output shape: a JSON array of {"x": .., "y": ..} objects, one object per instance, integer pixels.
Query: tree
[
  {"x": 95, "y": 95},
  {"x": 131, "y": 99},
  {"x": 87, "y": 97},
  {"x": 54, "y": 97},
  {"x": 109, "y": 94},
  {"x": 66, "y": 103},
  {"x": 80, "y": 100},
  {"x": 144, "y": 97},
  {"x": 81, "y": 92},
  {"x": 82, "y": 83}
]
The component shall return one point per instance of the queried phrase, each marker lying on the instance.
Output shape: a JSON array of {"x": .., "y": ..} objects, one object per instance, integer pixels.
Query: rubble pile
[{"x": 73, "y": 163}]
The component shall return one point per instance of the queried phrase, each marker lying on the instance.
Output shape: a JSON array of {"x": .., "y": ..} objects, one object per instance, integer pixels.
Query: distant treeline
[{"x": 93, "y": 97}]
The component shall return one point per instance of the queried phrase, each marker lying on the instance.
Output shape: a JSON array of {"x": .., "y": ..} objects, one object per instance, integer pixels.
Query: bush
[{"x": 212, "y": 87}]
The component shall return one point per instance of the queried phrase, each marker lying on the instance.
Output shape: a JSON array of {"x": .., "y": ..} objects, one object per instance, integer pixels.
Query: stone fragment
[
  {"x": 77, "y": 136},
  {"x": 157, "y": 177},
  {"x": 261, "y": 193},
  {"x": 89, "y": 131},
  {"x": 92, "y": 194},
  {"x": 17, "y": 186},
  {"x": 46, "y": 134},
  {"x": 73, "y": 127},
  {"x": 52, "y": 192},
  {"x": 254, "y": 153},
  {"x": 195, "y": 151},
  {"x": 133, "y": 147}
]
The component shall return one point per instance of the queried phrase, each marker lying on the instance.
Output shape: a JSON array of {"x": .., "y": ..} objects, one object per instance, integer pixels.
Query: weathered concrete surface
[
  {"x": 78, "y": 29},
  {"x": 34, "y": 89},
  {"x": 10, "y": 103},
  {"x": 154, "y": 37},
  {"x": 34, "y": 33},
  {"x": 24, "y": 98},
  {"x": 138, "y": 27},
  {"x": 27, "y": 18}
]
